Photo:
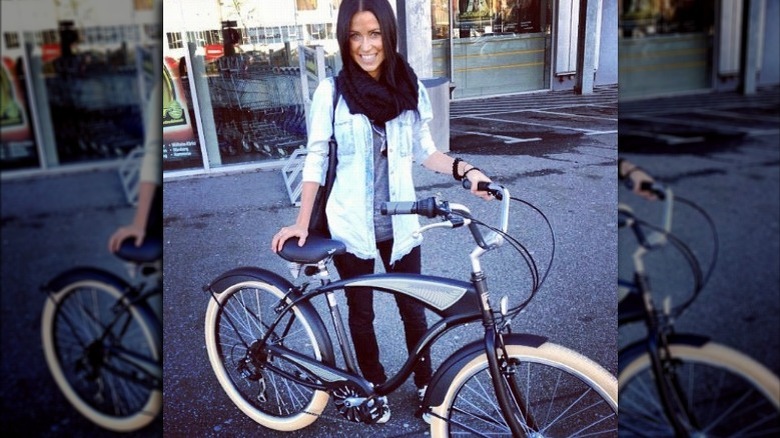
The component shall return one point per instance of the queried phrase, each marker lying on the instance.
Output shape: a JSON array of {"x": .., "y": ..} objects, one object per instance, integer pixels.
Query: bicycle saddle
[
  {"x": 149, "y": 251},
  {"x": 315, "y": 249}
]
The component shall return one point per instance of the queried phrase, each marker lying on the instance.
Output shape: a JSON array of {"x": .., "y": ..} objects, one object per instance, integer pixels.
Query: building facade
[
  {"x": 237, "y": 75},
  {"x": 74, "y": 76},
  {"x": 692, "y": 46}
]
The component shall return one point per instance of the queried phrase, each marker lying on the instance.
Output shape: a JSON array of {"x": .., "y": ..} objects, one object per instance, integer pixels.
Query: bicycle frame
[{"x": 455, "y": 302}]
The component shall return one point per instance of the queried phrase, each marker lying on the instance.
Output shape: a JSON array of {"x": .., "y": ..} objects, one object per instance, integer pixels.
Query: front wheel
[
  {"x": 722, "y": 391},
  {"x": 557, "y": 392},
  {"x": 236, "y": 320},
  {"x": 103, "y": 355}
]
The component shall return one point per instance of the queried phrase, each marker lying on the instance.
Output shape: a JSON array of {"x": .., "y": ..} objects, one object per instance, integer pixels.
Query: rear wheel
[
  {"x": 91, "y": 344},
  {"x": 235, "y": 321},
  {"x": 556, "y": 392}
]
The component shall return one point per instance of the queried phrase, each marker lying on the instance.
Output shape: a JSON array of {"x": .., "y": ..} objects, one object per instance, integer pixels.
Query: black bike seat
[
  {"x": 315, "y": 249},
  {"x": 149, "y": 251}
]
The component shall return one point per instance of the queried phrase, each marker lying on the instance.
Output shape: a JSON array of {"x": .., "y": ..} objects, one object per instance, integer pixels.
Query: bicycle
[
  {"x": 102, "y": 339},
  {"x": 682, "y": 384},
  {"x": 275, "y": 359}
]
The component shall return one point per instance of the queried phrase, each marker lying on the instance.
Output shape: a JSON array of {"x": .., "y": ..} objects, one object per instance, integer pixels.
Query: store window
[
  {"x": 665, "y": 46},
  {"x": 492, "y": 46},
  {"x": 236, "y": 80},
  {"x": 72, "y": 92},
  {"x": 93, "y": 94},
  {"x": 642, "y": 18}
]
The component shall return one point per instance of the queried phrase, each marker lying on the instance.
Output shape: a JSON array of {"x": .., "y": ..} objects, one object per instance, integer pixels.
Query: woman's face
[{"x": 365, "y": 43}]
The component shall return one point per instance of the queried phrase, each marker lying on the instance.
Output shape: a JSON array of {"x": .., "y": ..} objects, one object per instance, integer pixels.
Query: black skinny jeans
[{"x": 361, "y": 313}]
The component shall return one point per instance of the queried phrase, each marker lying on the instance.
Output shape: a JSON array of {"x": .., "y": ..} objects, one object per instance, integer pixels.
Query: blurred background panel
[
  {"x": 76, "y": 77},
  {"x": 699, "y": 110}
]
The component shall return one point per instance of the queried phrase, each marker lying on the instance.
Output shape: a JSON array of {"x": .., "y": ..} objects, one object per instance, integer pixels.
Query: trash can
[{"x": 439, "y": 91}]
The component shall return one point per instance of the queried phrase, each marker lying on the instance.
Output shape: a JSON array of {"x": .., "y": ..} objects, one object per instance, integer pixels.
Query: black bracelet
[
  {"x": 455, "y": 170},
  {"x": 472, "y": 168}
]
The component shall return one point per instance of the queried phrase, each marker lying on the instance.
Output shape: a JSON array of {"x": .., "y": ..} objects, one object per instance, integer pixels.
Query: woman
[{"x": 380, "y": 124}]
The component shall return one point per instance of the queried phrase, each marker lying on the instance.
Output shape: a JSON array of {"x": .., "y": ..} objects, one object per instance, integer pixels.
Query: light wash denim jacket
[{"x": 350, "y": 206}]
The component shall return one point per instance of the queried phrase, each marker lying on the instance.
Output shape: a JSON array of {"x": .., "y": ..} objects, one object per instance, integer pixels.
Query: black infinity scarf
[{"x": 376, "y": 99}]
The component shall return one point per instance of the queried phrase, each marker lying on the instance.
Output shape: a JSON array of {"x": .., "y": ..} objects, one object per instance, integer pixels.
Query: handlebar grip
[
  {"x": 484, "y": 186},
  {"x": 646, "y": 186},
  {"x": 425, "y": 207},
  {"x": 654, "y": 188}
]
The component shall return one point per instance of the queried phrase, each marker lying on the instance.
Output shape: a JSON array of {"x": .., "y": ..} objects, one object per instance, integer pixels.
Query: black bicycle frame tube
[
  {"x": 655, "y": 336},
  {"x": 489, "y": 323},
  {"x": 450, "y": 319},
  {"x": 341, "y": 333},
  {"x": 506, "y": 405}
]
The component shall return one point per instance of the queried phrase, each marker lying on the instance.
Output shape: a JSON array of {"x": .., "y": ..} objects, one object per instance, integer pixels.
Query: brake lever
[{"x": 453, "y": 222}]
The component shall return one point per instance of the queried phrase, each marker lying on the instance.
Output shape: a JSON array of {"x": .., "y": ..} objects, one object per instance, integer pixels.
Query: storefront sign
[
  {"x": 18, "y": 141},
  {"x": 179, "y": 139}
]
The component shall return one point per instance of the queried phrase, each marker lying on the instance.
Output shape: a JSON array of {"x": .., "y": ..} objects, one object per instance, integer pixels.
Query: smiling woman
[{"x": 380, "y": 120}]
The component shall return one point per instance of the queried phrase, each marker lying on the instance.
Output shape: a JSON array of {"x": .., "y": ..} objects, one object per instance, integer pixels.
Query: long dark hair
[{"x": 387, "y": 24}]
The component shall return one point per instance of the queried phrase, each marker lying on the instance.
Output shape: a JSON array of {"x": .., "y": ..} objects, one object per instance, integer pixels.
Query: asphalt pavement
[{"x": 555, "y": 150}]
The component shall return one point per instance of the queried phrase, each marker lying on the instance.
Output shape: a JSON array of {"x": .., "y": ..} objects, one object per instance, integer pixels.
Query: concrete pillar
[
  {"x": 586, "y": 44},
  {"x": 204, "y": 113},
  {"x": 751, "y": 23},
  {"x": 415, "y": 39},
  {"x": 39, "y": 107}
]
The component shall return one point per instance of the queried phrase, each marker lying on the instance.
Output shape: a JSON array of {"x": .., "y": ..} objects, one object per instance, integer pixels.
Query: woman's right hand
[
  {"x": 287, "y": 232},
  {"x": 136, "y": 232}
]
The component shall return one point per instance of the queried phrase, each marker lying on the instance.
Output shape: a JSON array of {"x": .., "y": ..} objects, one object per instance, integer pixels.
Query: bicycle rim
[
  {"x": 727, "y": 393},
  {"x": 102, "y": 386},
  {"x": 240, "y": 318},
  {"x": 564, "y": 392}
]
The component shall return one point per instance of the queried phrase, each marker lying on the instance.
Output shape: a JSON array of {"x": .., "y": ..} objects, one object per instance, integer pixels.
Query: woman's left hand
[{"x": 476, "y": 176}]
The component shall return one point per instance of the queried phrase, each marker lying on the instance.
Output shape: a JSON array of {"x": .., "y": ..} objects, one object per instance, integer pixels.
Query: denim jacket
[{"x": 350, "y": 205}]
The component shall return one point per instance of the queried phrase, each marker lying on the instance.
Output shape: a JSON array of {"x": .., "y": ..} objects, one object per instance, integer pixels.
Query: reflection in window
[
  {"x": 11, "y": 40},
  {"x": 174, "y": 40},
  {"x": 475, "y": 18},
  {"x": 642, "y": 18}
]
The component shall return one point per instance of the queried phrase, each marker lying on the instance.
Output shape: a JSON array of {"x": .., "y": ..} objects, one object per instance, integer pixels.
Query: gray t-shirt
[{"x": 383, "y": 225}]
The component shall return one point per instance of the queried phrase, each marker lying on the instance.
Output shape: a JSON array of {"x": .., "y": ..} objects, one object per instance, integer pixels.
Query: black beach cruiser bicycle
[{"x": 275, "y": 359}]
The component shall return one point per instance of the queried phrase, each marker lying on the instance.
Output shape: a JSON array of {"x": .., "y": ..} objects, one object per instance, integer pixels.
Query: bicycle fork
[
  {"x": 510, "y": 401},
  {"x": 669, "y": 390}
]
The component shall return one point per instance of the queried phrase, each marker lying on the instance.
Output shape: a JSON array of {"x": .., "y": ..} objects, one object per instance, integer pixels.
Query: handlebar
[
  {"x": 429, "y": 207},
  {"x": 484, "y": 186},
  {"x": 650, "y": 236},
  {"x": 455, "y": 215}
]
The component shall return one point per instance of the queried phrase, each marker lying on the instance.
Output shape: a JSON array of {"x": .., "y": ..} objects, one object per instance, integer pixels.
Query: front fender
[
  {"x": 251, "y": 273},
  {"x": 440, "y": 383},
  {"x": 629, "y": 353}
]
